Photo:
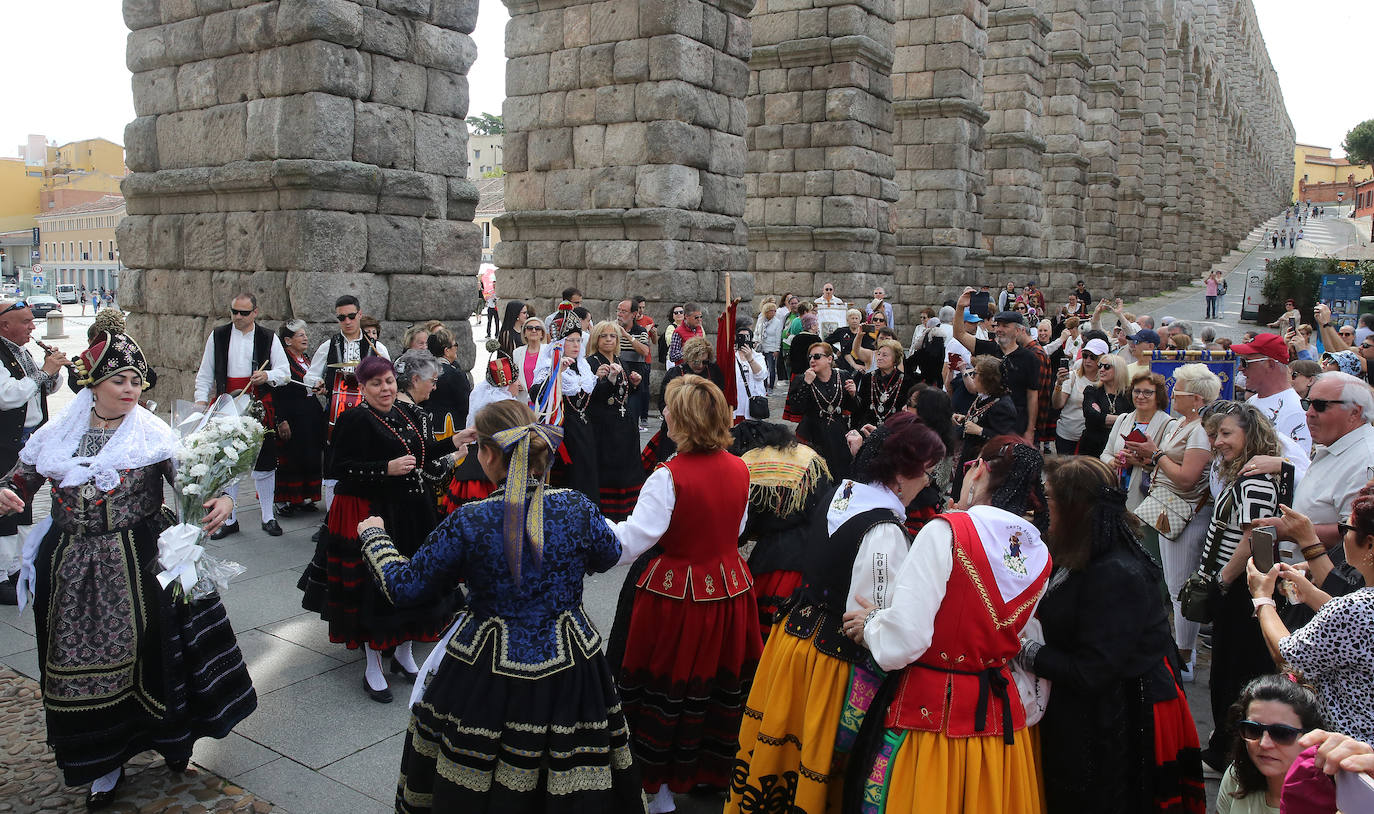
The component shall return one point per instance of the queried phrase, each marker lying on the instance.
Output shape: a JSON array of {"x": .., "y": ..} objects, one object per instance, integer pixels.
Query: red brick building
[{"x": 1364, "y": 198}]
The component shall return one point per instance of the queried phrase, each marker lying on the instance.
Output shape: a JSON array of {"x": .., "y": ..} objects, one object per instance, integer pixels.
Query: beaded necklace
[
  {"x": 620, "y": 388},
  {"x": 880, "y": 394},
  {"x": 827, "y": 405},
  {"x": 419, "y": 454},
  {"x": 579, "y": 402}
]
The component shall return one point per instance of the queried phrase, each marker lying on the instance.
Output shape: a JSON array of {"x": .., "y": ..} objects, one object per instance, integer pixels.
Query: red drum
[{"x": 347, "y": 393}]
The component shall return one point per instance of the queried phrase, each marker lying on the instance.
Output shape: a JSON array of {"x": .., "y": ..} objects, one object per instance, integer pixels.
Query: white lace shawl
[{"x": 142, "y": 439}]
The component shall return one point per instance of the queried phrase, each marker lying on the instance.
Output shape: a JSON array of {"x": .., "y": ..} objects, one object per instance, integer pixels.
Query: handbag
[
  {"x": 758, "y": 405},
  {"x": 1195, "y": 597},
  {"x": 1164, "y": 510},
  {"x": 1033, "y": 689}
]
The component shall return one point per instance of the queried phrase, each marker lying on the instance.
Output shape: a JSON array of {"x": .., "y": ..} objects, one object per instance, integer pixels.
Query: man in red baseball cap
[{"x": 1265, "y": 362}]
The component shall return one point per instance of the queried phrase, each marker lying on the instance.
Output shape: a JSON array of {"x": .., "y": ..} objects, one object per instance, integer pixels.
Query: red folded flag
[{"x": 725, "y": 349}]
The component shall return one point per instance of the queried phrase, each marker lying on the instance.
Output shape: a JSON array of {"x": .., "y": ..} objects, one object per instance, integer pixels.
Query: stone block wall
[
  {"x": 300, "y": 150},
  {"x": 625, "y": 152},
  {"x": 819, "y": 176}
]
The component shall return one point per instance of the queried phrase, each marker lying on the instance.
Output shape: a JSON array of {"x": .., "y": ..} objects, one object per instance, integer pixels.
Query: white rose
[{"x": 199, "y": 470}]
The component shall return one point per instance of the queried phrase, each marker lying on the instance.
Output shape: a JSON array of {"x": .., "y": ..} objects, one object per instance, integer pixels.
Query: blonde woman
[
  {"x": 1180, "y": 466},
  {"x": 1104, "y": 403}
]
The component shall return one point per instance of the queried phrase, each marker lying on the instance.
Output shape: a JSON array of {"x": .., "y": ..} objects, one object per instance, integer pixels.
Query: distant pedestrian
[
  {"x": 493, "y": 316},
  {"x": 1213, "y": 284},
  {"x": 1274, "y": 239}
]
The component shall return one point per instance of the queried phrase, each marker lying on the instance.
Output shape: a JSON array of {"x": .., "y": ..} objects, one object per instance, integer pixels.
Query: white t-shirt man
[{"x": 1284, "y": 408}]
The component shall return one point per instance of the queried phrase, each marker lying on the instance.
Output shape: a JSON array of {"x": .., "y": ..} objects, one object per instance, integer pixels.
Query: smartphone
[
  {"x": 1292, "y": 323},
  {"x": 1064, "y": 364},
  {"x": 1136, "y": 436},
  {"x": 955, "y": 361},
  {"x": 1354, "y": 792},
  {"x": 1263, "y": 547}
]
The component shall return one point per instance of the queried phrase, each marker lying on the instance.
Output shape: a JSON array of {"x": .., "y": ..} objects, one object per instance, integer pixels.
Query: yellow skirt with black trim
[
  {"x": 803, "y": 711},
  {"x": 930, "y": 772}
]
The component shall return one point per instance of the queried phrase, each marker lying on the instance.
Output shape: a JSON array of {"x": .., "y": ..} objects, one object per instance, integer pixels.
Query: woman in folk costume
[
  {"x": 384, "y": 452},
  {"x": 954, "y": 738},
  {"x": 518, "y": 711},
  {"x": 813, "y": 684},
  {"x": 467, "y": 481},
  {"x": 698, "y": 359},
  {"x": 126, "y": 666},
  {"x": 576, "y": 466},
  {"x": 619, "y": 473},
  {"x": 300, "y": 428},
  {"x": 694, "y": 632},
  {"x": 1117, "y": 735},
  {"x": 787, "y": 482}
]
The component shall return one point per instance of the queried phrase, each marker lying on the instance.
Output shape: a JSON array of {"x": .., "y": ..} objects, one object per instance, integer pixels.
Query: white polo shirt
[{"x": 1338, "y": 471}]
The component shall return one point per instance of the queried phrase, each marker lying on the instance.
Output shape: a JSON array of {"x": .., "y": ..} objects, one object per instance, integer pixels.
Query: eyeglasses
[
  {"x": 1221, "y": 408},
  {"x": 1346, "y": 332},
  {"x": 342, "y": 317},
  {"x": 879, "y": 319},
  {"x": 1243, "y": 361},
  {"x": 971, "y": 374},
  {"x": 1178, "y": 392},
  {"x": 816, "y": 356},
  {"x": 1143, "y": 393},
  {"x": 1365, "y": 346},
  {"x": 1321, "y": 405},
  {"x": 1280, "y": 734},
  {"x": 534, "y": 328},
  {"x": 677, "y": 312},
  {"x": 827, "y": 289},
  {"x": 1106, "y": 365},
  {"x": 1345, "y": 528},
  {"x": 14, "y": 307},
  {"x": 236, "y": 312}
]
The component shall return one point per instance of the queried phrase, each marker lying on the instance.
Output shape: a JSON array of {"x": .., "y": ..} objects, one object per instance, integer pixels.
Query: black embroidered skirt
[
  {"x": 125, "y": 666},
  {"x": 480, "y": 741}
]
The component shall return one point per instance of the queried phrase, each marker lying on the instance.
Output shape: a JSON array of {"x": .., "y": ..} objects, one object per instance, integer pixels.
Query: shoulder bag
[{"x": 758, "y": 405}]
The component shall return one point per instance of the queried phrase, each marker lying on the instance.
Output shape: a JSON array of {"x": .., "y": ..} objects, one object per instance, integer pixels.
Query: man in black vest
[
  {"x": 24, "y": 391},
  {"x": 239, "y": 355},
  {"x": 331, "y": 373}
]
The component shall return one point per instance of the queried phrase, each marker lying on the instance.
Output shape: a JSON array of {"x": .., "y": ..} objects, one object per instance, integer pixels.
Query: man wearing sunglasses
[
  {"x": 239, "y": 355},
  {"x": 24, "y": 390},
  {"x": 1338, "y": 413},
  {"x": 1264, "y": 361},
  {"x": 337, "y": 384}
]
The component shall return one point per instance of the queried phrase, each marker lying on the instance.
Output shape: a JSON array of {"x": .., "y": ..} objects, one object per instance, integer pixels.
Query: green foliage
[
  {"x": 1298, "y": 278},
  {"x": 486, "y": 124},
  {"x": 1359, "y": 143},
  {"x": 499, "y": 172}
]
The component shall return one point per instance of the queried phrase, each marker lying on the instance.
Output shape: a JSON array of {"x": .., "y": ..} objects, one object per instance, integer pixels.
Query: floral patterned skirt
[{"x": 125, "y": 666}]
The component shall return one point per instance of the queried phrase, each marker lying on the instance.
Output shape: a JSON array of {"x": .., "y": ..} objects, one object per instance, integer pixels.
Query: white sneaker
[{"x": 1187, "y": 672}]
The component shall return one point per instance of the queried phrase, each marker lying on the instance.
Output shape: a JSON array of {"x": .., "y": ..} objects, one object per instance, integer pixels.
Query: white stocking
[
  {"x": 232, "y": 490},
  {"x": 329, "y": 484},
  {"x": 266, "y": 484},
  {"x": 107, "y": 782},
  {"x": 662, "y": 801},
  {"x": 405, "y": 658},
  {"x": 373, "y": 669}
]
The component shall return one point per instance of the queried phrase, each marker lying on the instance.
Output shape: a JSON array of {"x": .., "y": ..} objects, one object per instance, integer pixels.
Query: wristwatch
[{"x": 1261, "y": 601}]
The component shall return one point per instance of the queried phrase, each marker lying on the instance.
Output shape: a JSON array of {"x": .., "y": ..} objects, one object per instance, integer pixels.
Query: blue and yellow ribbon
[{"x": 519, "y": 516}]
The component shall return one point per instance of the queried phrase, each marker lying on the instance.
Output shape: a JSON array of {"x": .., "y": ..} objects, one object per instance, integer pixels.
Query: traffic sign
[
  {"x": 37, "y": 281},
  {"x": 37, "y": 269}
]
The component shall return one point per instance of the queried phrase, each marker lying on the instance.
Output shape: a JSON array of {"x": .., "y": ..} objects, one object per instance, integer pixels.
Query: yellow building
[
  {"x": 77, "y": 244},
  {"x": 1314, "y": 165},
  {"x": 46, "y": 178}
]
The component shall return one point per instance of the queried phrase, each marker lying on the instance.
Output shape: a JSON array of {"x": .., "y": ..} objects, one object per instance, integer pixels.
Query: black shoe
[
  {"x": 271, "y": 527},
  {"x": 382, "y": 696},
  {"x": 285, "y": 509},
  {"x": 9, "y": 592},
  {"x": 308, "y": 507},
  {"x": 226, "y": 530},
  {"x": 315, "y": 538},
  {"x": 178, "y": 766},
  {"x": 96, "y": 800},
  {"x": 397, "y": 668}
]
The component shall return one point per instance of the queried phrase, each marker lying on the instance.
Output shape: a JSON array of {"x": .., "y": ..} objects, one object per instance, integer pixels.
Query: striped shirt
[{"x": 1243, "y": 502}]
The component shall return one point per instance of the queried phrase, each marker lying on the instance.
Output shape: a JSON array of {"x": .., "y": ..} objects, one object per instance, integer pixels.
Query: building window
[
  {"x": 486, "y": 235},
  {"x": 476, "y": 154}
]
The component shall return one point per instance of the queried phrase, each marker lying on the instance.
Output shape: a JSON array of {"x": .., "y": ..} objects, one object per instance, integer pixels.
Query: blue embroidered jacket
[{"x": 536, "y": 624}]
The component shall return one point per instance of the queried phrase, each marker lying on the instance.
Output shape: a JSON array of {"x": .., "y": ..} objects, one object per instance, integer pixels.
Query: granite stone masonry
[
  {"x": 921, "y": 145},
  {"x": 297, "y": 149}
]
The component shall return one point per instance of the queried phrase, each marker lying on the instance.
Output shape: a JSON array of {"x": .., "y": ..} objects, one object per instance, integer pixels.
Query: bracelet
[
  {"x": 1312, "y": 552},
  {"x": 868, "y": 617},
  {"x": 1260, "y": 602},
  {"x": 1154, "y": 459}
]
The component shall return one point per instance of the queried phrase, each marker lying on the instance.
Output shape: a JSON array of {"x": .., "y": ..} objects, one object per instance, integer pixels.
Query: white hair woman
[{"x": 1178, "y": 506}]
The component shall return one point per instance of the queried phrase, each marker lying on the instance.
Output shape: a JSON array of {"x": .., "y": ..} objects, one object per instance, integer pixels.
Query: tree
[
  {"x": 1359, "y": 143},
  {"x": 486, "y": 125}
]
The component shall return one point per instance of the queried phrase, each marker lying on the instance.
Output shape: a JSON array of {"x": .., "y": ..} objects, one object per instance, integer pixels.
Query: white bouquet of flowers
[{"x": 217, "y": 446}]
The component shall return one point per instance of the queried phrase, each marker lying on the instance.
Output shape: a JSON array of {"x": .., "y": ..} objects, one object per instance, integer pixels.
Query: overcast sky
[{"x": 65, "y": 78}]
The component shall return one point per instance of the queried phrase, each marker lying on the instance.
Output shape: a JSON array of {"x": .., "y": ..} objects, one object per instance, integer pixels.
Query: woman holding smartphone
[{"x": 1149, "y": 421}]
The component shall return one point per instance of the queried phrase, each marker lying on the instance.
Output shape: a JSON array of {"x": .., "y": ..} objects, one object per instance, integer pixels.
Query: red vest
[
  {"x": 700, "y": 558},
  {"x": 961, "y": 685}
]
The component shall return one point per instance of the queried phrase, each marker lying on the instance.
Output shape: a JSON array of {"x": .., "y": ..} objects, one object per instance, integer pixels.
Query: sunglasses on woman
[
  {"x": 1281, "y": 734},
  {"x": 816, "y": 356}
]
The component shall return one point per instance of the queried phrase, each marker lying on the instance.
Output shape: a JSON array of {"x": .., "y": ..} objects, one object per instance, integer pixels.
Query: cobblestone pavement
[{"x": 30, "y": 781}]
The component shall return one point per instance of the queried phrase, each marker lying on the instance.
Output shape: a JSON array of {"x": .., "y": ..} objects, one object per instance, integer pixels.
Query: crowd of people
[{"x": 984, "y": 555}]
